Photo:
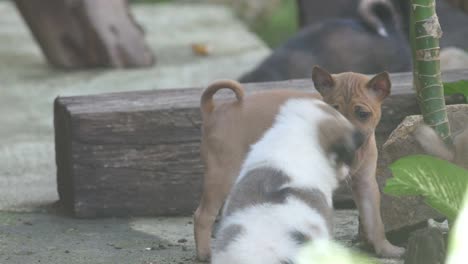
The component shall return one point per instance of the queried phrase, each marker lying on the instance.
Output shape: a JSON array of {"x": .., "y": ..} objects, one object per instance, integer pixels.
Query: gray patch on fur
[
  {"x": 286, "y": 261},
  {"x": 299, "y": 237},
  {"x": 259, "y": 186},
  {"x": 315, "y": 199},
  {"x": 265, "y": 185},
  {"x": 226, "y": 236}
]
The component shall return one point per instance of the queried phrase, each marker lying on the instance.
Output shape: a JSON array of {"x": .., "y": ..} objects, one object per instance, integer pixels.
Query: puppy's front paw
[
  {"x": 387, "y": 250},
  {"x": 203, "y": 256}
]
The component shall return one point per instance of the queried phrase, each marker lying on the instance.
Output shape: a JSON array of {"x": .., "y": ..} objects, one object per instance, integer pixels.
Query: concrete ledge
[{"x": 29, "y": 85}]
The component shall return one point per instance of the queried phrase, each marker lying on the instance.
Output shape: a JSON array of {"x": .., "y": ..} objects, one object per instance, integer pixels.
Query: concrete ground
[
  {"x": 31, "y": 229},
  {"x": 52, "y": 238},
  {"x": 28, "y": 86}
]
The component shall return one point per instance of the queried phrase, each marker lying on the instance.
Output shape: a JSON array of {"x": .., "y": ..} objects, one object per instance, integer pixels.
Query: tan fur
[
  {"x": 207, "y": 104},
  {"x": 230, "y": 127},
  {"x": 433, "y": 145}
]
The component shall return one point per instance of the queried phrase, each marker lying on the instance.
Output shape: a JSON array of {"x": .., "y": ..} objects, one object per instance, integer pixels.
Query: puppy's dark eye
[
  {"x": 362, "y": 114},
  {"x": 337, "y": 107}
]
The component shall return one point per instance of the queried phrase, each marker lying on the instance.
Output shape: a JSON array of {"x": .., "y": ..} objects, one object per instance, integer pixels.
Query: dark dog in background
[
  {"x": 371, "y": 42},
  {"x": 452, "y": 20},
  {"x": 316, "y": 11},
  {"x": 450, "y": 17}
]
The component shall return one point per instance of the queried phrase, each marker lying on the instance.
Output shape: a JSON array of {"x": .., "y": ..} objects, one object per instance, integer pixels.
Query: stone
[
  {"x": 426, "y": 246},
  {"x": 401, "y": 213}
]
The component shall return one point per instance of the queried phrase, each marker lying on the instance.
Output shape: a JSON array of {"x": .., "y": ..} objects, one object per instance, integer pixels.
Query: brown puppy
[{"x": 231, "y": 127}]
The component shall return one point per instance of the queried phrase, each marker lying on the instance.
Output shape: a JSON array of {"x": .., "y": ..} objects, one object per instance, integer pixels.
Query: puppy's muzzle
[
  {"x": 358, "y": 139},
  {"x": 346, "y": 149}
]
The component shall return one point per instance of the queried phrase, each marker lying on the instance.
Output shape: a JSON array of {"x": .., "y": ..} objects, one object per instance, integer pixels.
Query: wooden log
[
  {"x": 137, "y": 153},
  {"x": 86, "y": 33}
]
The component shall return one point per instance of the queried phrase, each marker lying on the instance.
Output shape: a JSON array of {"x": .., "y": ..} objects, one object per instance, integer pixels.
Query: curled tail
[
  {"x": 207, "y": 104},
  {"x": 379, "y": 15},
  {"x": 432, "y": 143}
]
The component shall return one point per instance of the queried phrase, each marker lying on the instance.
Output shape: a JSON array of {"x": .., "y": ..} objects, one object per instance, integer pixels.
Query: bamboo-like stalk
[{"x": 425, "y": 32}]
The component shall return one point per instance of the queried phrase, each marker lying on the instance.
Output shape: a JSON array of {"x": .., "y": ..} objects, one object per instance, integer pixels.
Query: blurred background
[
  {"x": 49, "y": 51},
  {"x": 272, "y": 20}
]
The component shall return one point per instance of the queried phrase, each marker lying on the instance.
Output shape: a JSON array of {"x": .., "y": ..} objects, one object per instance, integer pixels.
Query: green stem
[{"x": 425, "y": 32}]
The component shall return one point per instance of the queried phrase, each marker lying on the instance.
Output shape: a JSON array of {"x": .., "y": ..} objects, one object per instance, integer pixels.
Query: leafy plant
[
  {"x": 327, "y": 252},
  {"x": 278, "y": 27},
  {"x": 425, "y": 33},
  {"x": 460, "y": 87},
  {"x": 440, "y": 182}
]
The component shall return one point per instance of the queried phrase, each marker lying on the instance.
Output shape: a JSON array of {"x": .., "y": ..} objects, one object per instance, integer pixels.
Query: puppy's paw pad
[{"x": 391, "y": 251}]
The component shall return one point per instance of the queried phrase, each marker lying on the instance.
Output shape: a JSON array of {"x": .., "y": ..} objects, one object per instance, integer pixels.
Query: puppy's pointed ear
[
  {"x": 323, "y": 81},
  {"x": 380, "y": 85}
]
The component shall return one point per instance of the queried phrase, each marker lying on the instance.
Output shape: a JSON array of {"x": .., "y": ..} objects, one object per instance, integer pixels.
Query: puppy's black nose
[
  {"x": 345, "y": 152},
  {"x": 358, "y": 139},
  {"x": 345, "y": 148}
]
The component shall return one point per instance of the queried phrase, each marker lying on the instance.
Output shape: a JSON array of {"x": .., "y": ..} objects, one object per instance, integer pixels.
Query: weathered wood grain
[{"x": 137, "y": 153}]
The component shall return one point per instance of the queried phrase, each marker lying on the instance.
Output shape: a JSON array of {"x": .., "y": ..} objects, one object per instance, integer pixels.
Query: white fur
[
  {"x": 382, "y": 32},
  {"x": 292, "y": 146},
  {"x": 265, "y": 238}
]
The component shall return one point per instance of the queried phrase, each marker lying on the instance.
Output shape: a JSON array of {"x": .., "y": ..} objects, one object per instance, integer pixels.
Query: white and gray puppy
[{"x": 283, "y": 195}]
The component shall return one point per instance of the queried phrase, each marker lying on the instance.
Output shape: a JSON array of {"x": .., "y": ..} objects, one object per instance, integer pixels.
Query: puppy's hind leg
[
  {"x": 215, "y": 190},
  {"x": 204, "y": 218}
]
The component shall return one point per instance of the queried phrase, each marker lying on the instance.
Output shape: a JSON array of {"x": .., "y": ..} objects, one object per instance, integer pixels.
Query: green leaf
[
  {"x": 460, "y": 87},
  {"x": 276, "y": 28},
  {"x": 440, "y": 182},
  {"x": 324, "y": 251}
]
